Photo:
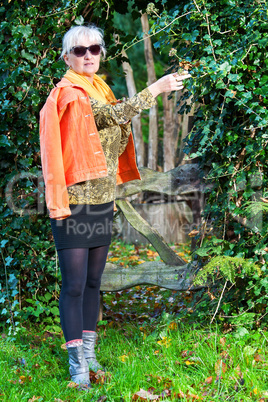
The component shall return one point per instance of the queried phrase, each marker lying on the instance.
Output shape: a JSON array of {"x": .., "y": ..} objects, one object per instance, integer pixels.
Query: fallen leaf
[
  {"x": 173, "y": 326},
  {"x": 123, "y": 358},
  {"x": 151, "y": 253},
  {"x": 187, "y": 353},
  {"x": 259, "y": 358},
  {"x": 220, "y": 367},
  {"x": 165, "y": 342},
  {"x": 224, "y": 354},
  {"x": 255, "y": 391},
  {"x": 162, "y": 381},
  {"x": 72, "y": 384},
  {"x": 193, "y": 397},
  {"x": 23, "y": 379},
  {"x": 181, "y": 254},
  {"x": 222, "y": 341},
  {"x": 209, "y": 380},
  {"x": 34, "y": 398},
  {"x": 188, "y": 396},
  {"x": 114, "y": 259},
  {"x": 100, "y": 377},
  {"x": 143, "y": 395},
  {"x": 180, "y": 395},
  {"x": 188, "y": 363},
  {"x": 133, "y": 258}
]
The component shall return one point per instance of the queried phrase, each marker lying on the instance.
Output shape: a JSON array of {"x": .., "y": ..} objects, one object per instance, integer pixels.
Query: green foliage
[
  {"x": 224, "y": 45},
  {"x": 30, "y": 39},
  {"x": 225, "y": 266}
]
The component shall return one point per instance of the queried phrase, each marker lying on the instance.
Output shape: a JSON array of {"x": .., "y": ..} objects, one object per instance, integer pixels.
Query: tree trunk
[
  {"x": 136, "y": 121},
  {"x": 171, "y": 131},
  {"x": 153, "y": 119},
  {"x": 187, "y": 125}
]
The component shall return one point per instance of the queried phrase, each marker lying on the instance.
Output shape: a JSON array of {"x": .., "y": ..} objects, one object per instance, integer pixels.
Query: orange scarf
[{"x": 99, "y": 90}]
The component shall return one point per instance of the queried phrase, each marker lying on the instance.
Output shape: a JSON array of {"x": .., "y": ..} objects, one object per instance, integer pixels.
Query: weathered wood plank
[
  {"x": 143, "y": 227},
  {"x": 180, "y": 181},
  {"x": 155, "y": 273}
]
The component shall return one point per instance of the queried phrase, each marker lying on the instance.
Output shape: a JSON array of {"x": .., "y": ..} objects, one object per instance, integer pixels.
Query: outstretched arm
[{"x": 108, "y": 115}]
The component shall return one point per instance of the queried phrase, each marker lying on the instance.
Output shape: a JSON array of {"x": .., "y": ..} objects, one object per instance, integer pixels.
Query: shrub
[{"x": 224, "y": 45}]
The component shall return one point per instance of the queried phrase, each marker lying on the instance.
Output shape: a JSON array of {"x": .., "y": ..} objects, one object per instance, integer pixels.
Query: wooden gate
[{"x": 172, "y": 272}]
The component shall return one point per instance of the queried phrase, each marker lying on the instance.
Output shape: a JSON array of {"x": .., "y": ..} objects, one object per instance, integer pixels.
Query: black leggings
[{"x": 81, "y": 271}]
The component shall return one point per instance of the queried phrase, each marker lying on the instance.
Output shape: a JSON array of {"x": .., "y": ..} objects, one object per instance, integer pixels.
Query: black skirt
[{"x": 88, "y": 226}]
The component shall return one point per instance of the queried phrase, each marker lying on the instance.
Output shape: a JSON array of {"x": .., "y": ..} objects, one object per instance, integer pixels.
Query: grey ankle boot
[
  {"x": 78, "y": 366},
  {"x": 89, "y": 340}
]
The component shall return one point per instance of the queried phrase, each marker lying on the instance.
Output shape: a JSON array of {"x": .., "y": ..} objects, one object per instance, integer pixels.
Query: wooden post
[
  {"x": 136, "y": 120},
  {"x": 153, "y": 119}
]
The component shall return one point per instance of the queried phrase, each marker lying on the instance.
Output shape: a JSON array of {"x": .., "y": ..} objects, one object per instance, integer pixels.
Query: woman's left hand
[{"x": 168, "y": 83}]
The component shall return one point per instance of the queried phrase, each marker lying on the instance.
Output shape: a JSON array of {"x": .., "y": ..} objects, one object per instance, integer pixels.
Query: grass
[
  {"x": 172, "y": 360},
  {"x": 147, "y": 350}
]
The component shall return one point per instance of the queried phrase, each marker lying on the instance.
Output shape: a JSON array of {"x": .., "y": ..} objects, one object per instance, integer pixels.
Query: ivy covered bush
[
  {"x": 224, "y": 46},
  {"x": 30, "y": 36}
]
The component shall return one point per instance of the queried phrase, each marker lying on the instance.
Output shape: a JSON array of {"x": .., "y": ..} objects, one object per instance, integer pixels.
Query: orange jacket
[{"x": 71, "y": 150}]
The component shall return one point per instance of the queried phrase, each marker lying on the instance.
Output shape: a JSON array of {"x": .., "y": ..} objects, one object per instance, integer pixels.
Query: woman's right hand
[{"x": 168, "y": 83}]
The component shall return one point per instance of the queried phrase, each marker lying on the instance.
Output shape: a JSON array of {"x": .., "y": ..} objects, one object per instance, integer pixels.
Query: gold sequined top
[{"x": 113, "y": 124}]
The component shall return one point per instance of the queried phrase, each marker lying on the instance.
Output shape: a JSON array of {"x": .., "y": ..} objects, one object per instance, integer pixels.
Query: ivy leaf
[
  {"x": 79, "y": 20},
  {"x": 225, "y": 68}
]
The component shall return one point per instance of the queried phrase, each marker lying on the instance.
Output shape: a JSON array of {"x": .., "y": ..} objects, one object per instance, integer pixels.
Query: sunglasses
[{"x": 80, "y": 51}]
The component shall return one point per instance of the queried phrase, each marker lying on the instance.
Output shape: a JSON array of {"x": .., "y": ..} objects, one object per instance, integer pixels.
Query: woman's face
[{"x": 86, "y": 65}]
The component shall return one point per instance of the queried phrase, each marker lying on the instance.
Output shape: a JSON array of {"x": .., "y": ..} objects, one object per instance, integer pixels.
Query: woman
[{"x": 86, "y": 149}]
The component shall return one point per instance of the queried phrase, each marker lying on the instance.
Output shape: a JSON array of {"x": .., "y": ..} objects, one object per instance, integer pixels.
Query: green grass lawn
[
  {"x": 149, "y": 351},
  {"x": 170, "y": 361}
]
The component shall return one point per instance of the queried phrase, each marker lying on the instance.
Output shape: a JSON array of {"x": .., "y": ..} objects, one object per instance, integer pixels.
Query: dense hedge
[
  {"x": 30, "y": 36},
  {"x": 224, "y": 44}
]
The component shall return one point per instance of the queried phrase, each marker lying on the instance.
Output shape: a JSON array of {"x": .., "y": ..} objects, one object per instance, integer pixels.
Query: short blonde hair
[{"x": 91, "y": 32}]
